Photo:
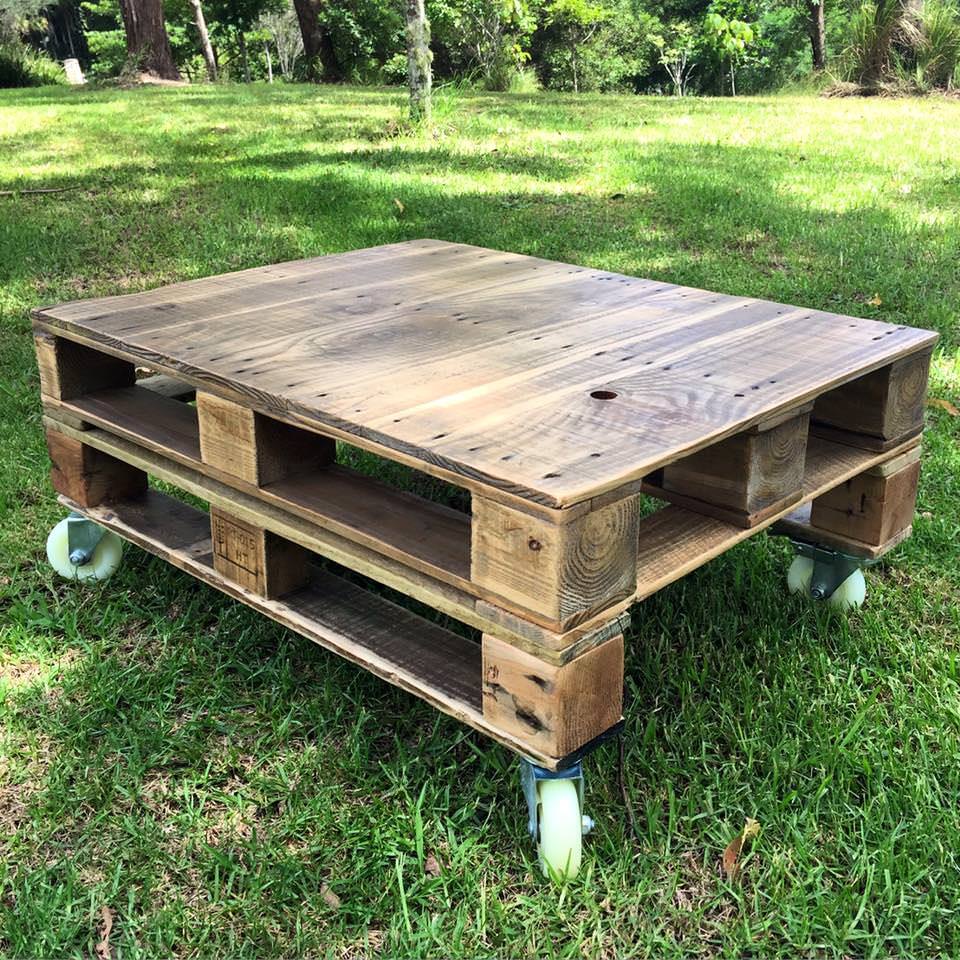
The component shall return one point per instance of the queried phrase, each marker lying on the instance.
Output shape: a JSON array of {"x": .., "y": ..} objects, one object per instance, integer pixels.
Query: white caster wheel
[
  {"x": 101, "y": 565},
  {"x": 851, "y": 593},
  {"x": 560, "y": 845},
  {"x": 848, "y": 596}
]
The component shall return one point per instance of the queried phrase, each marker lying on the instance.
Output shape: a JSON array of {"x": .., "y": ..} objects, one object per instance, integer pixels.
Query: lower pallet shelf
[{"x": 389, "y": 641}]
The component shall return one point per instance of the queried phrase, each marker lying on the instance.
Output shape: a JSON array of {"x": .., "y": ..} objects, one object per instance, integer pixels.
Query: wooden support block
[
  {"x": 90, "y": 477},
  {"x": 879, "y": 410},
  {"x": 256, "y": 559},
  {"x": 553, "y": 709},
  {"x": 745, "y": 478},
  {"x": 254, "y": 447},
  {"x": 558, "y": 573},
  {"x": 874, "y": 507},
  {"x": 69, "y": 370}
]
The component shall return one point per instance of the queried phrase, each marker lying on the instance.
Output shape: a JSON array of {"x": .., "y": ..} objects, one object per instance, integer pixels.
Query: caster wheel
[
  {"x": 104, "y": 562},
  {"x": 560, "y": 846},
  {"x": 848, "y": 596}
]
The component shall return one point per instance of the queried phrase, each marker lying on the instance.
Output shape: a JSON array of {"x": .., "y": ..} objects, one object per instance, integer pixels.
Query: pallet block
[
  {"x": 256, "y": 559},
  {"x": 879, "y": 410},
  {"x": 254, "y": 447},
  {"x": 89, "y": 477},
  {"x": 873, "y": 507},
  {"x": 745, "y": 478},
  {"x": 555, "y": 709},
  {"x": 560, "y": 573}
]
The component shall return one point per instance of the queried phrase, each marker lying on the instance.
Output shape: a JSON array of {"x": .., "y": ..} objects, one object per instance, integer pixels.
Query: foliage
[
  {"x": 937, "y": 45},
  {"x": 584, "y": 47},
  {"x": 676, "y": 48},
  {"x": 22, "y": 67},
  {"x": 486, "y": 39}
]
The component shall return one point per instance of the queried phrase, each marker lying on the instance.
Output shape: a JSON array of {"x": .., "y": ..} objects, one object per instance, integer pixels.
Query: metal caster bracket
[
  {"x": 830, "y": 567},
  {"x": 83, "y": 536},
  {"x": 530, "y": 773}
]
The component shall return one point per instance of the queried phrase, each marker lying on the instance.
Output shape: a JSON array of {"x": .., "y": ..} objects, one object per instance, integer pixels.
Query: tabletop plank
[{"x": 552, "y": 381}]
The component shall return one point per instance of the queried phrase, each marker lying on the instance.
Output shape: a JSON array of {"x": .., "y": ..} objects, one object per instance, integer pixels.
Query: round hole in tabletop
[{"x": 604, "y": 395}]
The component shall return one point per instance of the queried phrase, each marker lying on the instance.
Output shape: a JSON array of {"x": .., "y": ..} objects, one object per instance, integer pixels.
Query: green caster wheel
[{"x": 78, "y": 549}]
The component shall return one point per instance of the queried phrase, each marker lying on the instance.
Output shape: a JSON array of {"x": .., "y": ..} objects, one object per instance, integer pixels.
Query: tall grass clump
[
  {"x": 897, "y": 47},
  {"x": 22, "y": 67}
]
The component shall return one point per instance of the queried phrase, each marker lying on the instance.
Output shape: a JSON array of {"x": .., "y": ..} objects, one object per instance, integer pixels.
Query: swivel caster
[
  {"x": 79, "y": 549},
  {"x": 555, "y": 819},
  {"x": 828, "y": 575}
]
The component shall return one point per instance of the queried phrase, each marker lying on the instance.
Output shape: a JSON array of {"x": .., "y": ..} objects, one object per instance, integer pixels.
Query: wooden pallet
[{"x": 553, "y": 394}]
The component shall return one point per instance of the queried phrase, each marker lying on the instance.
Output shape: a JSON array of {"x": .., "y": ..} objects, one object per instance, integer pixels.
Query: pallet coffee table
[{"x": 555, "y": 395}]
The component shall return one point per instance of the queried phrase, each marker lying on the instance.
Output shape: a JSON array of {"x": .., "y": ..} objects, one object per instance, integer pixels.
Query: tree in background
[
  {"x": 576, "y": 21},
  {"x": 419, "y": 60},
  {"x": 283, "y": 29},
  {"x": 677, "y": 45},
  {"x": 148, "y": 46},
  {"x": 817, "y": 23},
  {"x": 730, "y": 39},
  {"x": 318, "y": 50},
  {"x": 208, "y": 55}
]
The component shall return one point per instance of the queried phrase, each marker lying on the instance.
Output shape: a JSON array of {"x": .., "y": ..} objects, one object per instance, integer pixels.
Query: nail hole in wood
[{"x": 603, "y": 395}]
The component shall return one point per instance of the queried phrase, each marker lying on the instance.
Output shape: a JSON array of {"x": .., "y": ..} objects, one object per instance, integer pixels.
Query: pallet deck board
[
  {"x": 552, "y": 382},
  {"x": 673, "y": 540}
]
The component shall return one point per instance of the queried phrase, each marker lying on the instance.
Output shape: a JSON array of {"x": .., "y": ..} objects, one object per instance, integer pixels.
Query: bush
[
  {"x": 937, "y": 48},
  {"x": 22, "y": 67},
  {"x": 894, "y": 47}
]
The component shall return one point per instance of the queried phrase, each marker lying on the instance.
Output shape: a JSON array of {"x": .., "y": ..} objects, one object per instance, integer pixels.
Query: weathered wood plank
[{"x": 517, "y": 376}]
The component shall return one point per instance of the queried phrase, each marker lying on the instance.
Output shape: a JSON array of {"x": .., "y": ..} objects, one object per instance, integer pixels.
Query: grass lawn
[{"x": 228, "y": 789}]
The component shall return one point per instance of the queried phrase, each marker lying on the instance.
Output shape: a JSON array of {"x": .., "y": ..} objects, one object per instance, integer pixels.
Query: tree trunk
[
  {"x": 147, "y": 42},
  {"x": 818, "y": 34},
  {"x": 208, "y": 56},
  {"x": 244, "y": 59},
  {"x": 419, "y": 57},
  {"x": 266, "y": 50},
  {"x": 318, "y": 49}
]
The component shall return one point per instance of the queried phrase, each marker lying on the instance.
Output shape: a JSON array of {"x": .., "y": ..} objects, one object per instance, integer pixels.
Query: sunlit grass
[{"x": 213, "y": 779}]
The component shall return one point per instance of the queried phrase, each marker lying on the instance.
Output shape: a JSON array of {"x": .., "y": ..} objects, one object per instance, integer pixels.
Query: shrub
[
  {"x": 937, "y": 48},
  {"x": 22, "y": 67}
]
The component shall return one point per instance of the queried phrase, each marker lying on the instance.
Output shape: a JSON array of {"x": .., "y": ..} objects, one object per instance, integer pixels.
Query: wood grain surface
[{"x": 549, "y": 381}]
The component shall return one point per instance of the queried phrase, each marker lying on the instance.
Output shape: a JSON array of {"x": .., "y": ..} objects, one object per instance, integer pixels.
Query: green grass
[{"x": 212, "y": 778}]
